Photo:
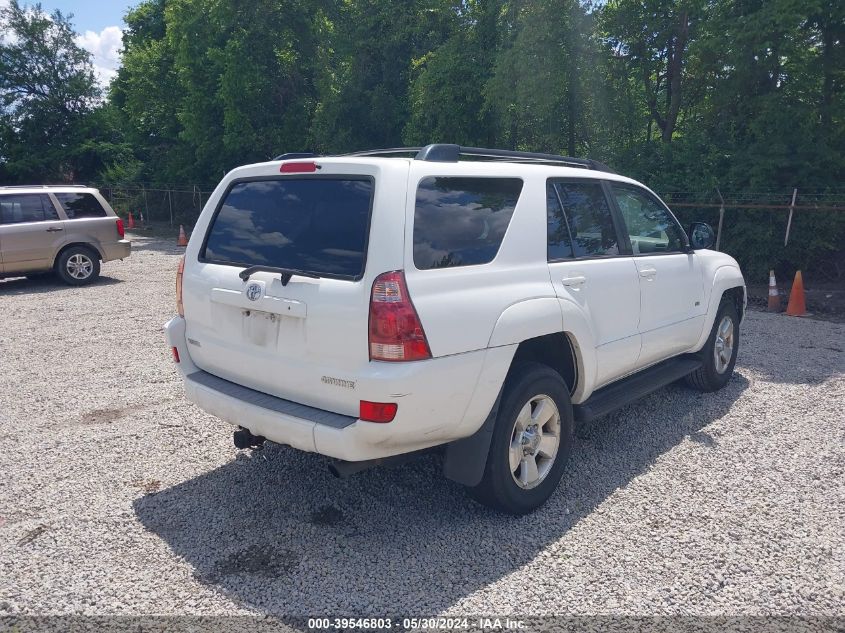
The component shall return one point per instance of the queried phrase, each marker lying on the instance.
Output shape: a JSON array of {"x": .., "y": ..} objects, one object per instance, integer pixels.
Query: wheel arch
[
  {"x": 91, "y": 247},
  {"x": 727, "y": 281}
]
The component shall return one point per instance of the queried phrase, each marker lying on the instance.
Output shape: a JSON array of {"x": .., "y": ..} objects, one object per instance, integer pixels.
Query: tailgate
[{"x": 296, "y": 337}]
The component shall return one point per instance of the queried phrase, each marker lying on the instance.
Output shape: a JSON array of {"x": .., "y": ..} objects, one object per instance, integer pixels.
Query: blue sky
[
  {"x": 89, "y": 15},
  {"x": 99, "y": 24}
]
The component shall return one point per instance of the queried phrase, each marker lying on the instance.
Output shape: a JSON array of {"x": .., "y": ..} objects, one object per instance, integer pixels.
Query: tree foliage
[
  {"x": 686, "y": 95},
  {"x": 49, "y": 129}
]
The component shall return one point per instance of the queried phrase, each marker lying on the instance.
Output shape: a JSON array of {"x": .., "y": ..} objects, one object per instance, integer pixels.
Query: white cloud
[{"x": 105, "y": 49}]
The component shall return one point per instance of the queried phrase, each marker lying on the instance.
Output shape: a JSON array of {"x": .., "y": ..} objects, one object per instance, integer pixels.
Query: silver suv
[{"x": 68, "y": 230}]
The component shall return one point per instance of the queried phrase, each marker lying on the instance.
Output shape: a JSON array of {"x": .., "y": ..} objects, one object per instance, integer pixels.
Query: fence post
[
  {"x": 170, "y": 204},
  {"x": 789, "y": 221},
  {"x": 721, "y": 220}
]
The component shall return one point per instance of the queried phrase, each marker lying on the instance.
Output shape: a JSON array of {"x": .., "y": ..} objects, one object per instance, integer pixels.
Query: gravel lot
[{"x": 119, "y": 497}]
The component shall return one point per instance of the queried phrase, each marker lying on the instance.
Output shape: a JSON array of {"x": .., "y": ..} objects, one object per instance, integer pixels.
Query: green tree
[
  {"x": 537, "y": 92},
  {"x": 48, "y": 96},
  {"x": 366, "y": 69}
]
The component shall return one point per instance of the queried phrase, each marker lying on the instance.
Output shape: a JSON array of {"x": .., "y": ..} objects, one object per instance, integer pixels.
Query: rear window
[
  {"x": 462, "y": 221},
  {"x": 81, "y": 205},
  {"x": 319, "y": 225}
]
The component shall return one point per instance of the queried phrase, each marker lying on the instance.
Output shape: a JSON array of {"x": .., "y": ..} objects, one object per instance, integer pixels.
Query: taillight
[
  {"x": 396, "y": 333},
  {"x": 175, "y": 355},
  {"x": 120, "y": 231},
  {"x": 377, "y": 411},
  {"x": 179, "y": 273}
]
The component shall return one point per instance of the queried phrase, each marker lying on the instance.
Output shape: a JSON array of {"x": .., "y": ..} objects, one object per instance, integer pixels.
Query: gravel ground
[{"x": 119, "y": 497}]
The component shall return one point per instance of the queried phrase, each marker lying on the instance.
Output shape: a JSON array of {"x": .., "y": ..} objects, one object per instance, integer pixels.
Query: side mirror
[{"x": 701, "y": 235}]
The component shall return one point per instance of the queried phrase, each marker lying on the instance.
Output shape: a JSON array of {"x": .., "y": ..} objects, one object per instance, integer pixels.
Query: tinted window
[
  {"x": 462, "y": 221},
  {"x": 314, "y": 224},
  {"x": 588, "y": 216},
  {"x": 651, "y": 228},
  {"x": 559, "y": 241},
  {"x": 26, "y": 208},
  {"x": 81, "y": 205}
]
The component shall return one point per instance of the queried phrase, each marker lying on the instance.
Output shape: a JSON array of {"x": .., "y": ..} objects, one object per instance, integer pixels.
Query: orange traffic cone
[
  {"x": 797, "y": 305},
  {"x": 774, "y": 295},
  {"x": 131, "y": 223},
  {"x": 183, "y": 239}
]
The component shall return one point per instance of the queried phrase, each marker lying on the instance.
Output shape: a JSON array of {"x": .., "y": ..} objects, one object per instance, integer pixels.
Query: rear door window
[
  {"x": 462, "y": 221},
  {"x": 33, "y": 207},
  {"x": 81, "y": 205},
  {"x": 580, "y": 222},
  {"x": 319, "y": 225}
]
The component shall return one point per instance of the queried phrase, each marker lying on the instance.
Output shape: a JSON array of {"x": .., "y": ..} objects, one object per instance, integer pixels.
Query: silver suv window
[
  {"x": 32, "y": 207},
  {"x": 462, "y": 221},
  {"x": 81, "y": 205}
]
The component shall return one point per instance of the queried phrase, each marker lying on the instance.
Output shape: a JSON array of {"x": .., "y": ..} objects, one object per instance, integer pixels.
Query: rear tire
[
  {"x": 78, "y": 266},
  {"x": 532, "y": 441},
  {"x": 719, "y": 352}
]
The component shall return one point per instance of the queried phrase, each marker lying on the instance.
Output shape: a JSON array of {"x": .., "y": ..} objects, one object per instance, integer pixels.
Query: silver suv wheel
[{"x": 79, "y": 266}]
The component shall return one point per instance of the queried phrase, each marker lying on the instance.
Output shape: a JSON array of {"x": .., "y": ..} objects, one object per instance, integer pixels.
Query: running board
[{"x": 634, "y": 387}]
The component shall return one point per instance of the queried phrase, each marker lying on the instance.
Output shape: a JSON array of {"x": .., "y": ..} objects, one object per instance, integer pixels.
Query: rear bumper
[
  {"x": 441, "y": 400},
  {"x": 120, "y": 249}
]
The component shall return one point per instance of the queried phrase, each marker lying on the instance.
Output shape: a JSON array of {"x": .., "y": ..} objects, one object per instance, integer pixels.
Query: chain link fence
[{"x": 783, "y": 221}]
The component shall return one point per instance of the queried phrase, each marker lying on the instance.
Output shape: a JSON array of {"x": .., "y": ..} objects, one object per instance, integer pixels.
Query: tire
[
  {"x": 715, "y": 374},
  {"x": 78, "y": 266},
  {"x": 536, "y": 387}
]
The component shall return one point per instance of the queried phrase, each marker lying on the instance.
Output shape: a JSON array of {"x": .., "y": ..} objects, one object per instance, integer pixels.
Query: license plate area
[{"x": 260, "y": 328}]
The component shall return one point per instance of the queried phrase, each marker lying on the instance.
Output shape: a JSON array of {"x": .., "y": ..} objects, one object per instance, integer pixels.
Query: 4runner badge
[{"x": 254, "y": 291}]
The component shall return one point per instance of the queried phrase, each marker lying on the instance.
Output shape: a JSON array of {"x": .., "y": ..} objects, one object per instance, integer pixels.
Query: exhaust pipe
[
  {"x": 244, "y": 439},
  {"x": 342, "y": 469}
]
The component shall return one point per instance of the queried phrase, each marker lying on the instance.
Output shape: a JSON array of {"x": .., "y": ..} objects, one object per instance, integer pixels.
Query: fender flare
[
  {"x": 725, "y": 278},
  {"x": 466, "y": 458}
]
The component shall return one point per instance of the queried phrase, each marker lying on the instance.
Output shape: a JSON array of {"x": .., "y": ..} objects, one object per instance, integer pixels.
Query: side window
[
  {"x": 651, "y": 228},
  {"x": 559, "y": 240},
  {"x": 81, "y": 205},
  {"x": 462, "y": 221},
  {"x": 32, "y": 207},
  {"x": 587, "y": 215}
]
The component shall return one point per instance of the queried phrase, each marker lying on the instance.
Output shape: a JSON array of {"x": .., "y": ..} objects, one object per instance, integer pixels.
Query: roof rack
[
  {"x": 39, "y": 186},
  {"x": 292, "y": 155},
  {"x": 448, "y": 153}
]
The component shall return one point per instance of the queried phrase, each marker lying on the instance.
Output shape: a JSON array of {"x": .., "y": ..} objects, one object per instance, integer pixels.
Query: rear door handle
[
  {"x": 575, "y": 280},
  {"x": 648, "y": 272},
  {"x": 53, "y": 229}
]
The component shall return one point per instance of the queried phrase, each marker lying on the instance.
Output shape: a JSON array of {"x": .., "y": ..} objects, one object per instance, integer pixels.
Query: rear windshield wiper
[{"x": 286, "y": 273}]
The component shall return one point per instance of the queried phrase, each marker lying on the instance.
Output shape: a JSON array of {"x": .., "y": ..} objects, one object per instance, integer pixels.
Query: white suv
[{"x": 371, "y": 306}]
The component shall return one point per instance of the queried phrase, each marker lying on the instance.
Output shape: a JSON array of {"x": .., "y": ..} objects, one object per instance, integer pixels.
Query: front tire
[
  {"x": 532, "y": 441},
  {"x": 719, "y": 352},
  {"x": 78, "y": 266}
]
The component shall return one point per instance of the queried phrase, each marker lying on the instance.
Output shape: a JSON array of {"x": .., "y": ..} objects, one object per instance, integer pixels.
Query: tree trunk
[{"x": 675, "y": 71}]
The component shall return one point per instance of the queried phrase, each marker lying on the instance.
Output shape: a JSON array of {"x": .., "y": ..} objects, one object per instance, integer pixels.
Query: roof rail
[
  {"x": 292, "y": 155},
  {"x": 447, "y": 153},
  {"x": 386, "y": 152},
  {"x": 40, "y": 186}
]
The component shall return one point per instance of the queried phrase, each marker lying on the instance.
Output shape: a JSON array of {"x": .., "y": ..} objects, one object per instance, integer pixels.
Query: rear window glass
[
  {"x": 462, "y": 221},
  {"x": 81, "y": 205},
  {"x": 319, "y": 225}
]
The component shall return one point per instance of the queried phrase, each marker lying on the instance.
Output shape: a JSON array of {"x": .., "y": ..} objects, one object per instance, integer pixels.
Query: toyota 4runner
[{"x": 374, "y": 305}]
